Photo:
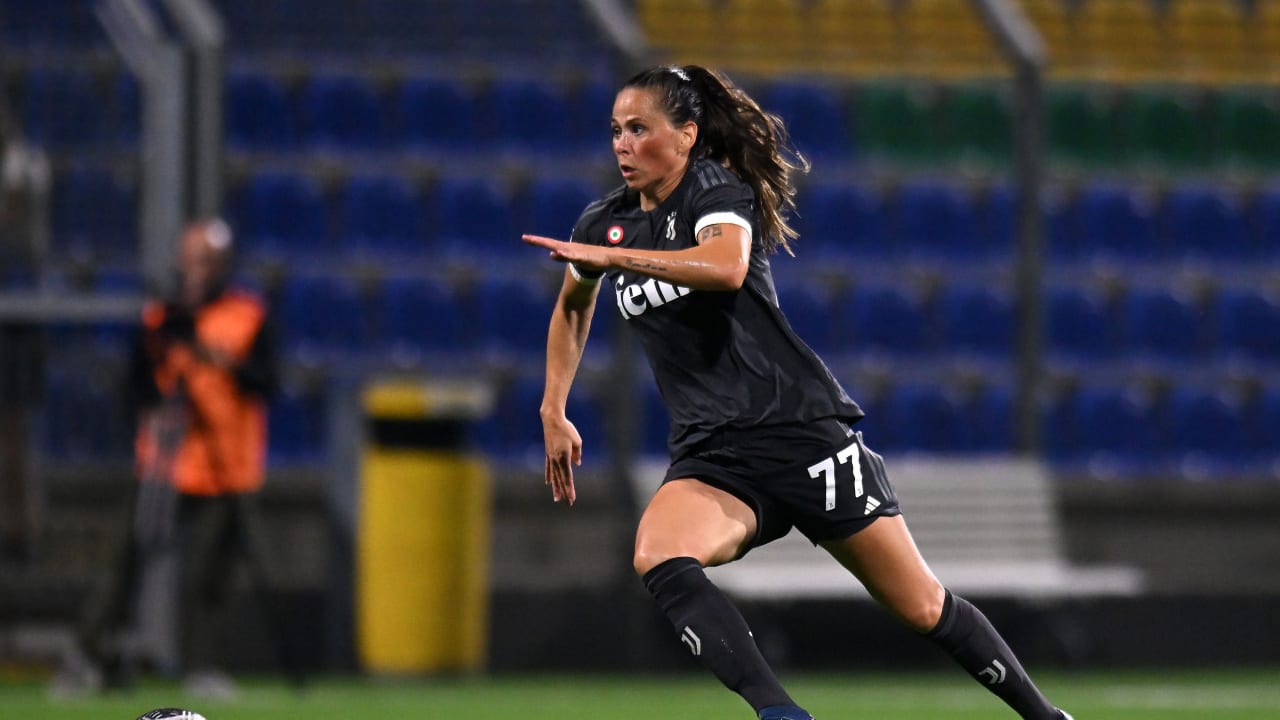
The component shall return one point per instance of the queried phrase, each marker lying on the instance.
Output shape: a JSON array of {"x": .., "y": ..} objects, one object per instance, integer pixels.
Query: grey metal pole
[
  {"x": 1024, "y": 48},
  {"x": 202, "y": 28}
]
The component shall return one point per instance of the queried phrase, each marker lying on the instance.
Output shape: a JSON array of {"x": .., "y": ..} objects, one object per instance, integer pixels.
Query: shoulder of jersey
[
  {"x": 599, "y": 207},
  {"x": 711, "y": 174}
]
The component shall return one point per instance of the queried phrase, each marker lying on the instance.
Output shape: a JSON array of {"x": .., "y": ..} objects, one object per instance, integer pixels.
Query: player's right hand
[{"x": 564, "y": 450}]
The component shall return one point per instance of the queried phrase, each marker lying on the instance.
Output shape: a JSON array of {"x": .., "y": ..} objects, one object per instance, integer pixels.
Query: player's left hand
[{"x": 586, "y": 257}]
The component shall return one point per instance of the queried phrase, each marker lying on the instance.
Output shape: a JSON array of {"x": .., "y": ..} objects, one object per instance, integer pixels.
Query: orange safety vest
[{"x": 225, "y": 445}]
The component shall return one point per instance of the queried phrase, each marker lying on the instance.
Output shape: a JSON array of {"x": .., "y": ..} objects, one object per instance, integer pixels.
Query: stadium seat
[
  {"x": 1206, "y": 222},
  {"x": 95, "y": 214},
  {"x": 342, "y": 112},
  {"x": 813, "y": 315},
  {"x": 1115, "y": 422},
  {"x": 514, "y": 431},
  {"x": 1079, "y": 126},
  {"x": 1078, "y": 325},
  {"x": 1162, "y": 325},
  {"x": 551, "y": 206},
  {"x": 1265, "y": 223},
  {"x": 1163, "y": 129},
  {"x": 996, "y": 223},
  {"x": 1118, "y": 221},
  {"x": 258, "y": 113},
  {"x": 920, "y": 417},
  {"x": 1261, "y": 420},
  {"x": 473, "y": 218},
  {"x": 886, "y": 319},
  {"x": 1247, "y": 325},
  {"x": 981, "y": 125},
  {"x": 977, "y": 320},
  {"x": 935, "y": 220},
  {"x": 816, "y": 116},
  {"x": 1063, "y": 232},
  {"x": 896, "y": 123},
  {"x": 1200, "y": 426},
  {"x": 530, "y": 114},
  {"x": 296, "y": 430},
  {"x": 382, "y": 217},
  {"x": 987, "y": 422},
  {"x": 511, "y": 315},
  {"x": 321, "y": 316},
  {"x": 279, "y": 213},
  {"x": 1248, "y": 125},
  {"x": 436, "y": 113},
  {"x": 63, "y": 109},
  {"x": 840, "y": 222},
  {"x": 419, "y": 315}
]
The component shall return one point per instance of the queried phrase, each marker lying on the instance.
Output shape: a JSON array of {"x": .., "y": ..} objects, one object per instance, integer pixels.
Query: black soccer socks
[
  {"x": 966, "y": 633},
  {"x": 714, "y": 631}
]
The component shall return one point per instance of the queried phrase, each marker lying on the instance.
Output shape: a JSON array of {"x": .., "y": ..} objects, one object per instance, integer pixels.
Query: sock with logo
[
  {"x": 714, "y": 631},
  {"x": 966, "y": 633}
]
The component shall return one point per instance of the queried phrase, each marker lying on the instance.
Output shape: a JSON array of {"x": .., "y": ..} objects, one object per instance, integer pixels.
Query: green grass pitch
[{"x": 1121, "y": 695}]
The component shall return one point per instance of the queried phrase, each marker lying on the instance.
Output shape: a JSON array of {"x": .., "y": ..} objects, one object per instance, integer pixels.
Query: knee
[
  {"x": 923, "y": 610},
  {"x": 648, "y": 556}
]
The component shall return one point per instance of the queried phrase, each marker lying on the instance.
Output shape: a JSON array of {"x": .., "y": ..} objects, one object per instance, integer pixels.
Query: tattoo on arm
[
  {"x": 645, "y": 266},
  {"x": 709, "y": 232}
]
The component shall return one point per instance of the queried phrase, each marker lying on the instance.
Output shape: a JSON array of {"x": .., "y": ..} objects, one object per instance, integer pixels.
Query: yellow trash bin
[{"x": 422, "y": 556}]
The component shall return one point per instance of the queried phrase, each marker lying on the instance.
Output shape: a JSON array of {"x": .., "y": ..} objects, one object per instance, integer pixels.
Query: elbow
[{"x": 730, "y": 276}]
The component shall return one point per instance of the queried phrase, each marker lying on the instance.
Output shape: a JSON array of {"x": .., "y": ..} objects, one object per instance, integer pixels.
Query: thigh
[
  {"x": 689, "y": 518},
  {"x": 885, "y": 559}
]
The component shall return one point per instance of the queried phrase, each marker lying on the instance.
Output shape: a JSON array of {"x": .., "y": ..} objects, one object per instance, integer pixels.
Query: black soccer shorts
[{"x": 819, "y": 478}]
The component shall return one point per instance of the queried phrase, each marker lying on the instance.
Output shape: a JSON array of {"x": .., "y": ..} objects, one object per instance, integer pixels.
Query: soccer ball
[{"x": 171, "y": 714}]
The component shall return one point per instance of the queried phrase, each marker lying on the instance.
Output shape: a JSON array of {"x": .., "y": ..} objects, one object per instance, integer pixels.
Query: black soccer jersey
[{"x": 722, "y": 360}]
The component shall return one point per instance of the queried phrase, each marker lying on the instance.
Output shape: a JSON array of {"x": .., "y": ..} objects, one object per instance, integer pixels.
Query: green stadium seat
[
  {"x": 897, "y": 123},
  {"x": 1248, "y": 129},
  {"x": 1078, "y": 127},
  {"x": 981, "y": 124},
  {"x": 1163, "y": 129}
]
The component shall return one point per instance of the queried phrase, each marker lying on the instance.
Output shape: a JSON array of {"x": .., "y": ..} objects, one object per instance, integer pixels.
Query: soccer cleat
[
  {"x": 784, "y": 712},
  {"x": 1065, "y": 715}
]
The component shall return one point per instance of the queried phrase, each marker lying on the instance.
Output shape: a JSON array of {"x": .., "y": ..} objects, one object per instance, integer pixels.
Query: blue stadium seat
[
  {"x": 816, "y": 116},
  {"x": 921, "y": 417},
  {"x": 63, "y": 109},
  {"x": 474, "y": 218},
  {"x": 342, "y": 112},
  {"x": 281, "y": 214},
  {"x": 936, "y": 219},
  {"x": 987, "y": 424},
  {"x": 813, "y": 313},
  {"x": 591, "y": 104},
  {"x": 530, "y": 114},
  {"x": 1247, "y": 324},
  {"x": 1115, "y": 422},
  {"x": 1063, "y": 233},
  {"x": 511, "y": 316},
  {"x": 322, "y": 315},
  {"x": 1202, "y": 426},
  {"x": 436, "y": 113},
  {"x": 419, "y": 315},
  {"x": 1261, "y": 420},
  {"x": 1265, "y": 225},
  {"x": 1162, "y": 324},
  {"x": 840, "y": 221},
  {"x": 382, "y": 217},
  {"x": 126, "y": 111},
  {"x": 95, "y": 214},
  {"x": 1206, "y": 222},
  {"x": 1078, "y": 325},
  {"x": 551, "y": 206},
  {"x": 296, "y": 431},
  {"x": 514, "y": 431},
  {"x": 887, "y": 319},
  {"x": 258, "y": 113},
  {"x": 1118, "y": 221},
  {"x": 977, "y": 319}
]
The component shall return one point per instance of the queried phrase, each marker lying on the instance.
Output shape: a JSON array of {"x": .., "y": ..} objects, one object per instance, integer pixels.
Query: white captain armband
[
  {"x": 726, "y": 218},
  {"x": 584, "y": 277}
]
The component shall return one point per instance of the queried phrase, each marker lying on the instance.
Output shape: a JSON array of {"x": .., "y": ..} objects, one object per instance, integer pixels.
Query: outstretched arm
[
  {"x": 718, "y": 262},
  {"x": 566, "y": 339}
]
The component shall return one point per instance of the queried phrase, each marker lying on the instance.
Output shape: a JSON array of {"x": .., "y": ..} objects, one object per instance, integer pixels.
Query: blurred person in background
[
  {"x": 761, "y": 436},
  {"x": 201, "y": 373}
]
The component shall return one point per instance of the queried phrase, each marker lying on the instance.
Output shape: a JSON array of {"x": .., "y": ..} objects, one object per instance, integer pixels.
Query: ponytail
[{"x": 734, "y": 131}]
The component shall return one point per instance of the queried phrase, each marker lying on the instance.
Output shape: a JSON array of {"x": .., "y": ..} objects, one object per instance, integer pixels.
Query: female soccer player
[{"x": 760, "y": 430}]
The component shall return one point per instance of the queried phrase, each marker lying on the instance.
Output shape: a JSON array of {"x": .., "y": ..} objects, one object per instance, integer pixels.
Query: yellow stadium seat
[
  {"x": 1056, "y": 23},
  {"x": 1125, "y": 41},
  {"x": 947, "y": 39},
  {"x": 686, "y": 30},
  {"x": 1267, "y": 22},
  {"x": 859, "y": 38},
  {"x": 765, "y": 36},
  {"x": 1212, "y": 42}
]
